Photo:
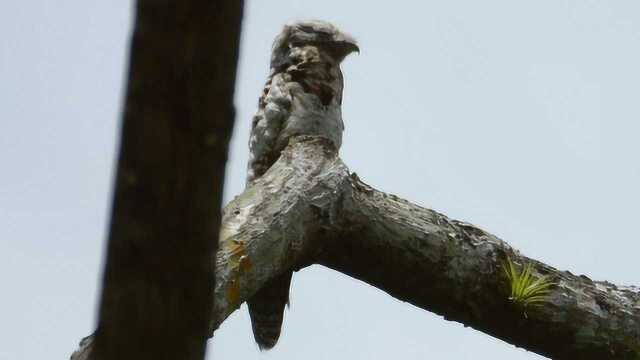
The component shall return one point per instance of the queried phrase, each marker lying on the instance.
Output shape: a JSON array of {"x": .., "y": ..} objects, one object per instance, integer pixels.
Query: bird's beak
[
  {"x": 347, "y": 43},
  {"x": 350, "y": 47}
]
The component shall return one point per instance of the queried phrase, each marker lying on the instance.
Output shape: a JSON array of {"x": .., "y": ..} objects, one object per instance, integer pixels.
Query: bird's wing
[{"x": 273, "y": 111}]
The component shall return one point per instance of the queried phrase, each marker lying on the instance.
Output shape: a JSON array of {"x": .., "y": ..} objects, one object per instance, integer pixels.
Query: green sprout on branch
[{"x": 527, "y": 290}]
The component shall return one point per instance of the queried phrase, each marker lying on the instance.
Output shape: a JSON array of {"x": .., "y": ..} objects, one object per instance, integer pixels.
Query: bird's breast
[{"x": 309, "y": 116}]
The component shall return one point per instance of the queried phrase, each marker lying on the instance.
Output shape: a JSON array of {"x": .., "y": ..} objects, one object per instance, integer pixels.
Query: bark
[
  {"x": 159, "y": 300},
  {"x": 158, "y": 279},
  {"x": 309, "y": 209}
]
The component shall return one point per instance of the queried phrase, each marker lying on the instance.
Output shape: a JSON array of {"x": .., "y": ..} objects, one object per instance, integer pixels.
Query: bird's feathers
[
  {"x": 266, "y": 309},
  {"x": 302, "y": 96}
]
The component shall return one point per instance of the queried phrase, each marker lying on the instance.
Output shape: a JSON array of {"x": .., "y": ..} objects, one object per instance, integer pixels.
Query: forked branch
[{"x": 309, "y": 209}]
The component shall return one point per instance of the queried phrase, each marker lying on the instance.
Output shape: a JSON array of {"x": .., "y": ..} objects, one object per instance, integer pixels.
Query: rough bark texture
[
  {"x": 273, "y": 225},
  {"x": 158, "y": 280},
  {"x": 308, "y": 209},
  {"x": 159, "y": 300}
]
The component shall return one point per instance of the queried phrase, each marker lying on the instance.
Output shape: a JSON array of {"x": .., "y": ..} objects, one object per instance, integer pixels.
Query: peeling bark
[{"x": 309, "y": 209}]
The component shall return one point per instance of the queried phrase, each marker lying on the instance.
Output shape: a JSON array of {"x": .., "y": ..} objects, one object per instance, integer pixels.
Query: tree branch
[
  {"x": 158, "y": 279},
  {"x": 309, "y": 209},
  {"x": 275, "y": 224}
]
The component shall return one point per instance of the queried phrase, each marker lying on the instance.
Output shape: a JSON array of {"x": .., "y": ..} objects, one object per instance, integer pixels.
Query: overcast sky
[{"x": 520, "y": 117}]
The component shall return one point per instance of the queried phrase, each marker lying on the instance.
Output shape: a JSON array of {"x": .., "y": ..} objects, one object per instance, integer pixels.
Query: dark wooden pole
[{"x": 178, "y": 117}]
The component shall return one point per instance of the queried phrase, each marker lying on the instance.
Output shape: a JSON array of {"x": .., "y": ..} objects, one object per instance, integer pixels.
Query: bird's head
[{"x": 317, "y": 33}]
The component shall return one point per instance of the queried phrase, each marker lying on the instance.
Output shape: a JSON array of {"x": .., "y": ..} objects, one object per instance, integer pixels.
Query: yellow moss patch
[
  {"x": 239, "y": 262},
  {"x": 233, "y": 293}
]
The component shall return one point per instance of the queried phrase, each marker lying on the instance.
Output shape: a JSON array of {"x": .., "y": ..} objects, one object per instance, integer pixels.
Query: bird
[{"x": 302, "y": 96}]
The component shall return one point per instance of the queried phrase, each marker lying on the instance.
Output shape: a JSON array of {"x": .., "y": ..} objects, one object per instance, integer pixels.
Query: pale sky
[{"x": 518, "y": 116}]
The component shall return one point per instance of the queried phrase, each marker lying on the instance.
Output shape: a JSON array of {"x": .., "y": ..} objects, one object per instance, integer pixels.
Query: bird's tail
[{"x": 266, "y": 309}]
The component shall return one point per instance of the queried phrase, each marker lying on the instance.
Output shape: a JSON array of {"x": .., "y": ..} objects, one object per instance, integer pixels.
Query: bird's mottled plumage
[{"x": 302, "y": 96}]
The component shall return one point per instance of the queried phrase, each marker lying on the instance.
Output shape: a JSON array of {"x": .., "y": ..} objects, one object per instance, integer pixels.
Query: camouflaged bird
[{"x": 302, "y": 96}]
